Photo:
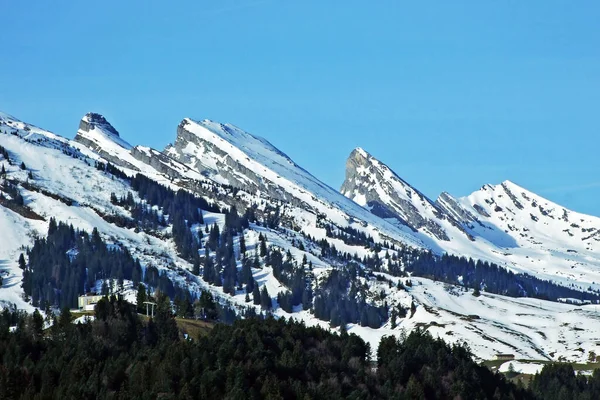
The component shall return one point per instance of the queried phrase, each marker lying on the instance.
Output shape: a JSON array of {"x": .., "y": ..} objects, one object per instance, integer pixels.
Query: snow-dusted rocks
[
  {"x": 226, "y": 154},
  {"x": 376, "y": 187},
  {"x": 97, "y": 134},
  {"x": 503, "y": 223}
]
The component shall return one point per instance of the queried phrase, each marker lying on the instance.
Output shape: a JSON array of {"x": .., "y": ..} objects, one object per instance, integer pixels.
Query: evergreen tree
[
  {"x": 265, "y": 299},
  {"x": 263, "y": 245},
  {"x": 196, "y": 266},
  {"x": 242, "y": 247},
  {"x": 141, "y": 298},
  {"x": 256, "y": 295},
  {"x": 413, "y": 308},
  {"x": 165, "y": 320}
]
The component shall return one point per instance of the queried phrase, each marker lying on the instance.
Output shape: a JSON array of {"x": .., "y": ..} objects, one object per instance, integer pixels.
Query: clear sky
[{"x": 450, "y": 94}]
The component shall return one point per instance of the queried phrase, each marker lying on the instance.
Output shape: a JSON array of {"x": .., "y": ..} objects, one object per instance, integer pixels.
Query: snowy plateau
[{"x": 375, "y": 216}]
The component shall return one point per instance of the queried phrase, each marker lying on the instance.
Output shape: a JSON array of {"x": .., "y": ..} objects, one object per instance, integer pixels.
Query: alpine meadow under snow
[{"x": 223, "y": 211}]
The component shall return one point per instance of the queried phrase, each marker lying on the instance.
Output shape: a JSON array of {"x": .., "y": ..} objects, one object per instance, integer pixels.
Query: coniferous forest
[{"x": 119, "y": 356}]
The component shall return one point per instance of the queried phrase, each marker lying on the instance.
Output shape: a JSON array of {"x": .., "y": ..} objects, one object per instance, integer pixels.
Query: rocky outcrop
[
  {"x": 98, "y": 135},
  {"x": 452, "y": 207},
  {"x": 159, "y": 161},
  {"x": 93, "y": 121},
  {"x": 376, "y": 187},
  {"x": 222, "y": 167}
]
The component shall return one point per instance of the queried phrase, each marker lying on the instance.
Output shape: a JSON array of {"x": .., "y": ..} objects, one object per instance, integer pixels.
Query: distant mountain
[
  {"x": 504, "y": 223},
  {"x": 376, "y": 187},
  {"x": 224, "y": 212}
]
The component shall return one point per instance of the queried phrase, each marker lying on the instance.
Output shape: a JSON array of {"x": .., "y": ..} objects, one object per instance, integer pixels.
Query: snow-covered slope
[
  {"x": 375, "y": 186},
  {"x": 229, "y": 155},
  {"x": 533, "y": 234},
  {"x": 61, "y": 180},
  {"x": 505, "y": 223}
]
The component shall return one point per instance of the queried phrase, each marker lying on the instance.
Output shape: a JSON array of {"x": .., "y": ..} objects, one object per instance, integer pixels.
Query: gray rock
[{"x": 364, "y": 174}]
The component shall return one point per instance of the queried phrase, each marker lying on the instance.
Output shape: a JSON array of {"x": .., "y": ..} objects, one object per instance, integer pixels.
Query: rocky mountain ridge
[{"x": 353, "y": 261}]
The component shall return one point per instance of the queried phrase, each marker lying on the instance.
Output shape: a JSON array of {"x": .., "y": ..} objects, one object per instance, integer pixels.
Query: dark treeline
[
  {"x": 559, "y": 382},
  {"x": 342, "y": 299},
  {"x": 4, "y": 154},
  {"x": 287, "y": 271},
  {"x": 146, "y": 217},
  {"x": 119, "y": 357},
  {"x": 12, "y": 190},
  {"x": 485, "y": 276},
  {"x": 170, "y": 201},
  {"x": 68, "y": 263},
  {"x": 111, "y": 169},
  {"x": 183, "y": 210},
  {"x": 221, "y": 270},
  {"x": 349, "y": 235}
]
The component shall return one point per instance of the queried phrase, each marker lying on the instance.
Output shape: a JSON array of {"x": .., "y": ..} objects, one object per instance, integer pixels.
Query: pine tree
[
  {"x": 242, "y": 247},
  {"x": 196, "y": 266},
  {"x": 141, "y": 298},
  {"x": 22, "y": 263},
  {"x": 413, "y": 308},
  {"x": 265, "y": 299},
  {"x": 3, "y": 172},
  {"x": 263, "y": 245},
  {"x": 23, "y": 166},
  {"x": 256, "y": 295}
]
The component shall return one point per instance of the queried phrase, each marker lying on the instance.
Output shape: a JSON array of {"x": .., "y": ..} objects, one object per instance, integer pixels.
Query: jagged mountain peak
[
  {"x": 98, "y": 121},
  {"x": 72, "y": 190},
  {"x": 96, "y": 132},
  {"x": 373, "y": 185},
  {"x": 213, "y": 131},
  {"x": 229, "y": 155}
]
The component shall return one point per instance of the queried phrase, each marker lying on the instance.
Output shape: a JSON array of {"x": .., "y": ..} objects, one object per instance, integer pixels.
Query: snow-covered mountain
[
  {"x": 229, "y": 155},
  {"x": 504, "y": 224},
  {"x": 67, "y": 179},
  {"x": 376, "y": 187}
]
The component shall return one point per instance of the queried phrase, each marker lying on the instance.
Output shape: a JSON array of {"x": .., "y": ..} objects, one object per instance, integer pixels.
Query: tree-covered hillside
[{"x": 119, "y": 357}]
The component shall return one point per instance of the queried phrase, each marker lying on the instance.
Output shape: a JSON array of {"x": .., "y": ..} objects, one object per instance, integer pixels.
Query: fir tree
[
  {"x": 22, "y": 263},
  {"x": 256, "y": 295},
  {"x": 141, "y": 298},
  {"x": 265, "y": 299},
  {"x": 263, "y": 245}
]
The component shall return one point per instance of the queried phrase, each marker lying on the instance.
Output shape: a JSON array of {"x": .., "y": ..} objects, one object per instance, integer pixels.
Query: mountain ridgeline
[{"x": 221, "y": 212}]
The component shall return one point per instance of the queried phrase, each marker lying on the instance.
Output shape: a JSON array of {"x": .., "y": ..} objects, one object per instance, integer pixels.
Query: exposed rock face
[
  {"x": 93, "y": 121},
  {"x": 375, "y": 186},
  {"x": 452, "y": 207},
  {"x": 205, "y": 156},
  {"x": 159, "y": 161},
  {"x": 97, "y": 134}
]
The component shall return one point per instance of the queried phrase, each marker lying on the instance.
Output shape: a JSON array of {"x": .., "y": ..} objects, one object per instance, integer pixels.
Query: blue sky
[{"x": 450, "y": 94}]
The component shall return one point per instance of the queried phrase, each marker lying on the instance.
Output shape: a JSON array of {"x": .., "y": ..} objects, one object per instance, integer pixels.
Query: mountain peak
[
  {"x": 359, "y": 151},
  {"x": 98, "y": 120},
  {"x": 373, "y": 185},
  {"x": 96, "y": 133}
]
